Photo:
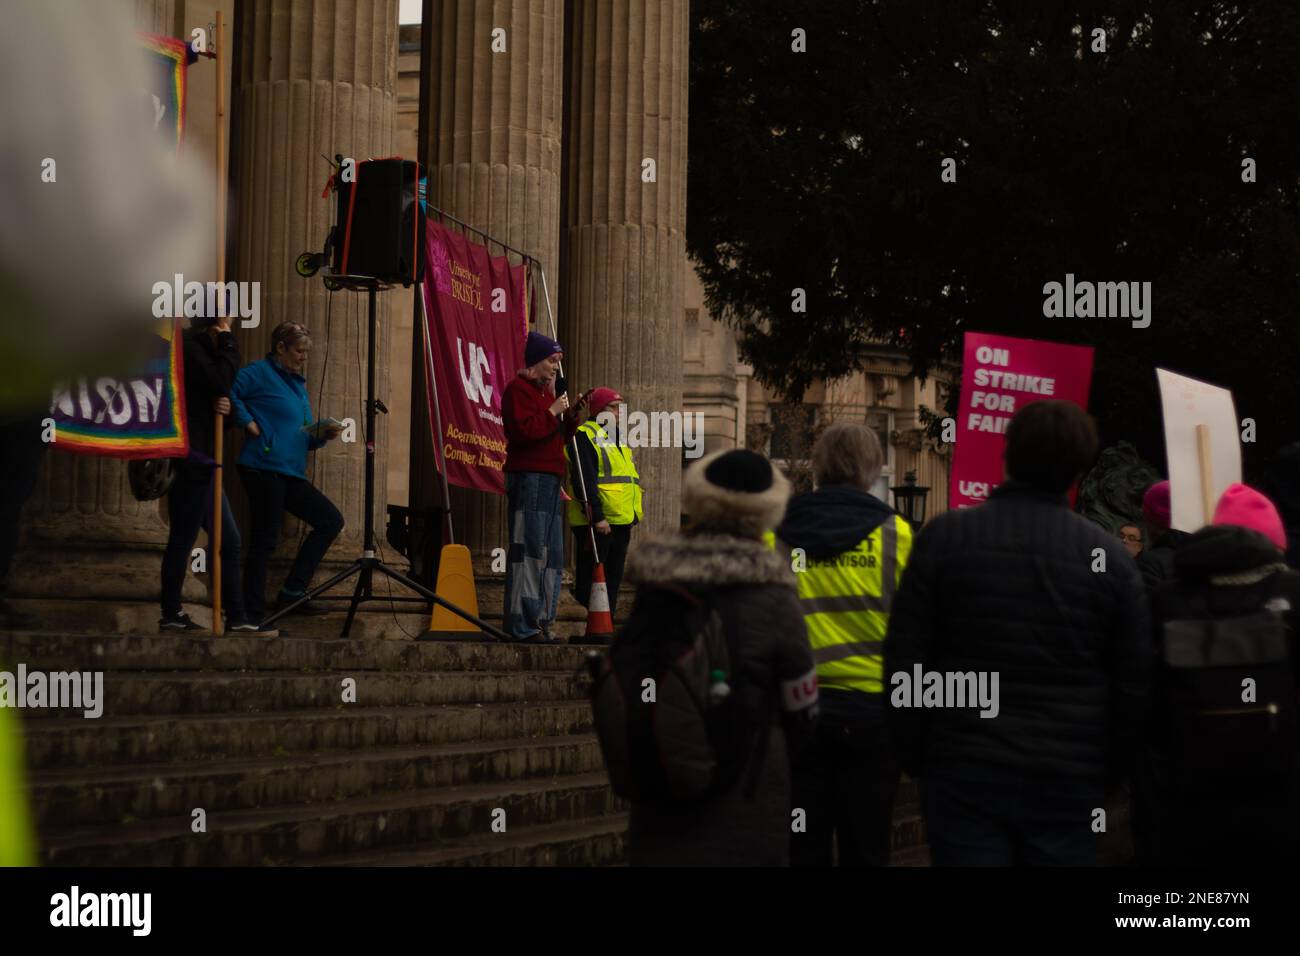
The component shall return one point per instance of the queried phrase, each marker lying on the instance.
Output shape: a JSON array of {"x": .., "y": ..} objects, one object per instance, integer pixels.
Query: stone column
[
  {"x": 154, "y": 16},
  {"x": 314, "y": 79},
  {"x": 492, "y": 131},
  {"x": 84, "y": 534},
  {"x": 622, "y": 314}
]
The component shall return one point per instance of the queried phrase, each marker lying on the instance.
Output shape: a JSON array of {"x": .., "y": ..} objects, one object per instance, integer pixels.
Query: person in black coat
[
  {"x": 733, "y": 498},
  {"x": 1227, "y": 800},
  {"x": 1022, "y": 591},
  {"x": 1156, "y": 562},
  {"x": 211, "y": 362}
]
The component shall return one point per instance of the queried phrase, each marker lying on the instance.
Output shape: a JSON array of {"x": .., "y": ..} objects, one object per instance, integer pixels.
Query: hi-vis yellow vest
[
  {"x": 617, "y": 481},
  {"x": 846, "y": 602}
]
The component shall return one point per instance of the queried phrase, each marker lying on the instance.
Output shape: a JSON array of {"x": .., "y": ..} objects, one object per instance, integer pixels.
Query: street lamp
[{"x": 909, "y": 499}]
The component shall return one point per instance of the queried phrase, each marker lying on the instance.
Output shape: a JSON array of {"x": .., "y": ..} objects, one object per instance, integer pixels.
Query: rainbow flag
[
  {"x": 168, "y": 59},
  {"x": 142, "y": 416}
]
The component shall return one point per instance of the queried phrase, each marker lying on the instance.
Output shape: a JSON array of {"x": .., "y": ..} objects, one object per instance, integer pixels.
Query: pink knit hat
[
  {"x": 1247, "y": 508},
  {"x": 1155, "y": 505}
]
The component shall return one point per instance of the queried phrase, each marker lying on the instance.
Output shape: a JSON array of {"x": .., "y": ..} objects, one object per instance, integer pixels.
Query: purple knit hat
[{"x": 539, "y": 347}]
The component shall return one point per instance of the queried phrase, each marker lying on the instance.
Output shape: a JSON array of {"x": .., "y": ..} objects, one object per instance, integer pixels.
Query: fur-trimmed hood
[
  {"x": 727, "y": 510},
  {"x": 702, "y": 561}
]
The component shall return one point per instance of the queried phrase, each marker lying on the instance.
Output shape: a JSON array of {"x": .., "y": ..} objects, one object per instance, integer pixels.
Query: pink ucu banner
[
  {"x": 999, "y": 376},
  {"x": 476, "y": 325}
]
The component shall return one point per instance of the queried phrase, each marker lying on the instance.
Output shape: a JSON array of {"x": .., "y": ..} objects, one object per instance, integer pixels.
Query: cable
[{"x": 392, "y": 604}]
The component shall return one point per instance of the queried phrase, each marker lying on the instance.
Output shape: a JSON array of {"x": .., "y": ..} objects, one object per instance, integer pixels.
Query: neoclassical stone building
[
  {"x": 736, "y": 410},
  {"x": 543, "y": 145}
]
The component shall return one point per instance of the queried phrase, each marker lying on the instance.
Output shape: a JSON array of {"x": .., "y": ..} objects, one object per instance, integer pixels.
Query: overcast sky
[{"x": 409, "y": 11}]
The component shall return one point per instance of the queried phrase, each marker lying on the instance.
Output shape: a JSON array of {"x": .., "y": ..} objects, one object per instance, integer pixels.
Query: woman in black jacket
[
  {"x": 733, "y": 498},
  {"x": 1223, "y": 767},
  {"x": 211, "y": 364}
]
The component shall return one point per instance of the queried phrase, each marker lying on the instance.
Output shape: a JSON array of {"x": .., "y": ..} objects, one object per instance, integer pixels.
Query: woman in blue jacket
[{"x": 270, "y": 402}]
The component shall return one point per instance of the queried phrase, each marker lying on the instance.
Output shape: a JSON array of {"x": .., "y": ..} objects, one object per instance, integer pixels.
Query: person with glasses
[
  {"x": 1131, "y": 535},
  {"x": 269, "y": 401}
]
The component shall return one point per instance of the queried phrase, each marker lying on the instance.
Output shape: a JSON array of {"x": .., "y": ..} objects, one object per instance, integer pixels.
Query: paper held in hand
[{"x": 318, "y": 429}]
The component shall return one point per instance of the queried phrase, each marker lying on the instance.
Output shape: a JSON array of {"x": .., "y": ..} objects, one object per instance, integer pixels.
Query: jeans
[
  {"x": 996, "y": 816},
  {"x": 270, "y": 495},
  {"x": 536, "y": 558},
  {"x": 189, "y": 507},
  {"x": 613, "y": 551},
  {"x": 845, "y": 782}
]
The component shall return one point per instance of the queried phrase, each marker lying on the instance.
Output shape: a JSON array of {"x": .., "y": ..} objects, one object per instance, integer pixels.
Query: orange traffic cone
[{"x": 600, "y": 623}]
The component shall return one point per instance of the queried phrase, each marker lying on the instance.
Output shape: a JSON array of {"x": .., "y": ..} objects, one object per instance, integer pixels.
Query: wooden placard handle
[{"x": 1203, "y": 455}]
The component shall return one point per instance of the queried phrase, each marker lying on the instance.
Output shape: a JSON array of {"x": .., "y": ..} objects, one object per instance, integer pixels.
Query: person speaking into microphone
[{"x": 537, "y": 425}]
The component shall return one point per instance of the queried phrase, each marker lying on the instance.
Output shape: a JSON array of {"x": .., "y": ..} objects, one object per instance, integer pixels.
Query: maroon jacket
[{"x": 534, "y": 437}]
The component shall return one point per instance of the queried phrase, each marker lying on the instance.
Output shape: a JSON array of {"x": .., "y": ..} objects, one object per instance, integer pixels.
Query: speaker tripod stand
[{"x": 365, "y": 566}]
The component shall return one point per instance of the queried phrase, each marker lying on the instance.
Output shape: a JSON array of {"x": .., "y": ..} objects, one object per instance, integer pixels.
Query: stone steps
[
  {"x": 305, "y": 832},
  {"x": 254, "y": 731},
  {"x": 77, "y": 742},
  {"x": 913, "y": 856},
  {"x": 146, "y": 791},
  {"x": 158, "y": 693},
  {"x": 378, "y": 619},
  {"x": 165, "y": 652},
  {"x": 596, "y": 842}
]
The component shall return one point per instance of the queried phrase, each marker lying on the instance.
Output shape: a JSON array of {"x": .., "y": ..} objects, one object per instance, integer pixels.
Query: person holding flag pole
[
  {"x": 538, "y": 423},
  {"x": 211, "y": 364},
  {"x": 605, "y": 469},
  {"x": 536, "y": 426}
]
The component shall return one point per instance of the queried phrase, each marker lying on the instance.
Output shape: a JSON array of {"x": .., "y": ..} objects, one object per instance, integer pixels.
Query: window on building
[{"x": 691, "y": 336}]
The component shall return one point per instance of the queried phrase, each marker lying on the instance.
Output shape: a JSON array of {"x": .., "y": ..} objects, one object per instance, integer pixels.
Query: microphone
[{"x": 561, "y": 385}]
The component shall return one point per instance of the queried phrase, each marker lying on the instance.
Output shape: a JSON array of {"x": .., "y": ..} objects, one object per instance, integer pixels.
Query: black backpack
[
  {"x": 688, "y": 735},
  {"x": 1212, "y": 733}
]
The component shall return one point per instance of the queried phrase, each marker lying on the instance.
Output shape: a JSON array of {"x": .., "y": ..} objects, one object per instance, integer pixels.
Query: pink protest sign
[{"x": 999, "y": 376}]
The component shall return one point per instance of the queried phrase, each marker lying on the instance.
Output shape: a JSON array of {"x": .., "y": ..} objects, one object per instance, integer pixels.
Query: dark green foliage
[{"x": 821, "y": 171}]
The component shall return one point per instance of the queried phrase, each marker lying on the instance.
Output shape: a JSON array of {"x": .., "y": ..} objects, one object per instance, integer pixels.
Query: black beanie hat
[
  {"x": 735, "y": 491},
  {"x": 740, "y": 470}
]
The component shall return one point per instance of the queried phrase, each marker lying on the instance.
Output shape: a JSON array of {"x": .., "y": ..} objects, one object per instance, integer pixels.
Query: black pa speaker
[{"x": 380, "y": 230}]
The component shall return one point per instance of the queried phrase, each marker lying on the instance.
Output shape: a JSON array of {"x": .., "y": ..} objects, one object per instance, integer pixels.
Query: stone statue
[{"x": 1111, "y": 494}]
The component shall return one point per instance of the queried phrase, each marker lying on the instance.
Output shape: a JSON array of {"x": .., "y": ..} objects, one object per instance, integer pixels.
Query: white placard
[{"x": 1186, "y": 403}]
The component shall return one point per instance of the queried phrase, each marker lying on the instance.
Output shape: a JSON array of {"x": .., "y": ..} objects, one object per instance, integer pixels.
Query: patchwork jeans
[{"x": 536, "y": 558}]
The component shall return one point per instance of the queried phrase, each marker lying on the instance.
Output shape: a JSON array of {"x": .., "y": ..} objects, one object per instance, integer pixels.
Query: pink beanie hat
[
  {"x": 601, "y": 398},
  {"x": 1247, "y": 508},
  {"x": 1155, "y": 505}
]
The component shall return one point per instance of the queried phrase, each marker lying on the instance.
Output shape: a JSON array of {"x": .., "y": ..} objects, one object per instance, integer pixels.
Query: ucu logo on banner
[
  {"x": 974, "y": 489},
  {"x": 475, "y": 387}
]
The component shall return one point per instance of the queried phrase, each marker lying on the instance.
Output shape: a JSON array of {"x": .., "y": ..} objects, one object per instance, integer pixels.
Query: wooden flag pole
[
  {"x": 214, "y": 533},
  {"x": 1203, "y": 454}
]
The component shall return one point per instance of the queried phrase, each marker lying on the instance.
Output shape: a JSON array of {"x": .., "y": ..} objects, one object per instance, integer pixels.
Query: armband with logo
[{"x": 800, "y": 693}]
